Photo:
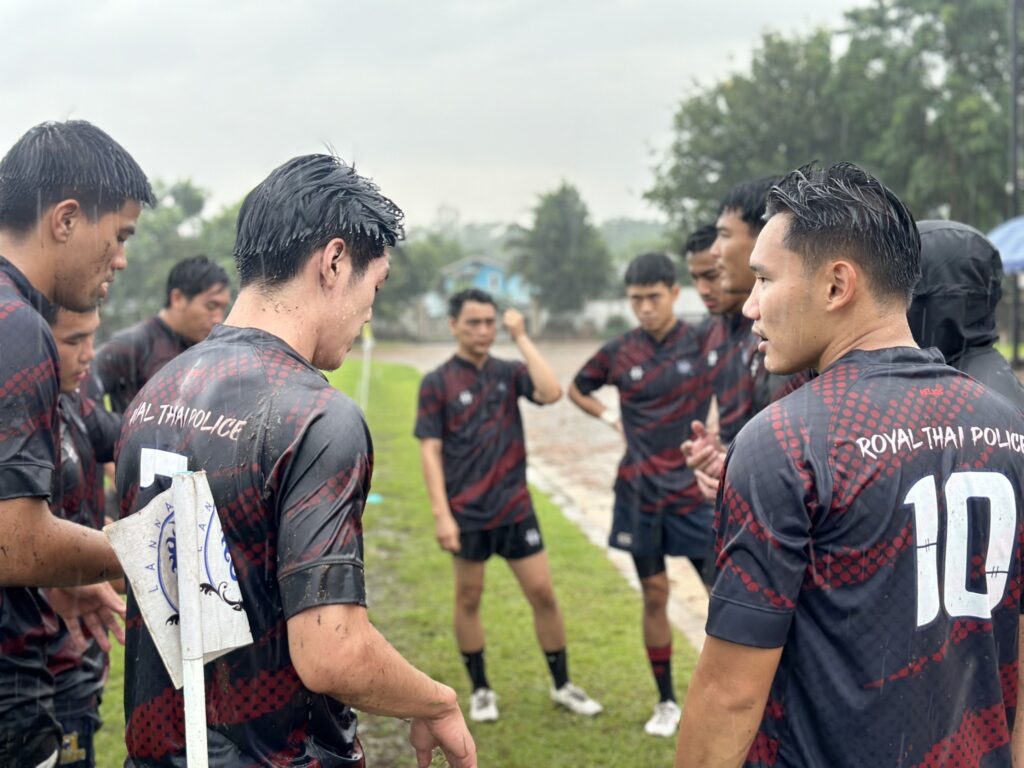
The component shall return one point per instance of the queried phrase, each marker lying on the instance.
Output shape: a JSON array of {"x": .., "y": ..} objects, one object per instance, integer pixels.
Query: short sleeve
[
  {"x": 594, "y": 374},
  {"x": 522, "y": 380},
  {"x": 762, "y": 539},
  {"x": 320, "y": 500},
  {"x": 430, "y": 408},
  {"x": 29, "y": 389}
]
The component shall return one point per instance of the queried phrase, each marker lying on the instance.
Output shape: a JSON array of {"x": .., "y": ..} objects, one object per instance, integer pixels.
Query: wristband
[{"x": 609, "y": 418}]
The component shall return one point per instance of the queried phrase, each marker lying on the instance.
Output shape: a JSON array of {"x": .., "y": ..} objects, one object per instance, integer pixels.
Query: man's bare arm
[
  {"x": 546, "y": 388},
  {"x": 338, "y": 652},
  {"x": 445, "y": 528},
  {"x": 725, "y": 704},
  {"x": 594, "y": 407},
  {"x": 38, "y": 549}
]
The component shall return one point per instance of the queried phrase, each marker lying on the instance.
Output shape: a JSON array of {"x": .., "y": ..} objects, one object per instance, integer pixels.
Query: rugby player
[
  {"x": 866, "y": 606},
  {"x": 289, "y": 460},
  {"x": 742, "y": 386},
  {"x": 88, "y": 433},
  {"x": 70, "y": 197},
  {"x": 198, "y": 294},
  {"x": 474, "y": 464},
  {"x": 659, "y": 511}
]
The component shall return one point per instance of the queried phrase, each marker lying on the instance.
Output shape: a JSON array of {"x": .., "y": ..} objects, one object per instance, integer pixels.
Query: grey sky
[{"x": 475, "y": 104}]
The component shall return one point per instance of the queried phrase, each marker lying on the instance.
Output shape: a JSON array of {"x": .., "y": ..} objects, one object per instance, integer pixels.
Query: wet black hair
[
  {"x": 651, "y": 268},
  {"x": 700, "y": 239},
  {"x": 456, "y": 301},
  {"x": 303, "y": 205},
  {"x": 67, "y": 161},
  {"x": 748, "y": 199},
  {"x": 844, "y": 210},
  {"x": 195, "y": 275}
]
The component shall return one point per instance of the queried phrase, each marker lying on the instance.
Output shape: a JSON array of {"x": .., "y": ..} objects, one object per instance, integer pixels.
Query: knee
[
  {"x": 467, "y": 599},
  {"x": 655, "y": 598},
  {"x": 543, "y": 599}
]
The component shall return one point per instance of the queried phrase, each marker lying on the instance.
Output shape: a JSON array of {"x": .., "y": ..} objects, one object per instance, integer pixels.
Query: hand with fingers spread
[
  {"x": 89, "y": 611},
  {"x": 447, "y": 731}
]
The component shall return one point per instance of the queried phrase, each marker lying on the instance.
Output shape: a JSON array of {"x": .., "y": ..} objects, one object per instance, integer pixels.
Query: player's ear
[
  {"x": 674, "y": 291},
  {"x": 62, "y": 219},
  {"x": 335, "y": 263},
  {"x": 841, "y": 283}
]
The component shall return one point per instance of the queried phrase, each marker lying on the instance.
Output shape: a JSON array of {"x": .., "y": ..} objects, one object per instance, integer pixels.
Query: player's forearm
[
  {"x": 587, "y": 403},
  {"x": 433, "y": 476},
  {"x": 41, "y": 550},
  {"x": 546, "y": 388},
  {"x": 336, "y": 651},
  {"x": 716, "y": 731}
]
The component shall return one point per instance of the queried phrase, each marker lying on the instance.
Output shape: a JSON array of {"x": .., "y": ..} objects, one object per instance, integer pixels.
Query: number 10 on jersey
[{"x": 955, "y": 596}]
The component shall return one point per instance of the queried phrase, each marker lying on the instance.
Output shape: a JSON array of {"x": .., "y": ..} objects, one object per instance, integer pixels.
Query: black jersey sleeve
[
  {"x": 28, "y": 406},
  {"x": 762, "y": 536},
  {"x": 430, "y": 410},
  {"x": 322, "y": 492},
  {"x": 595, "y": 372},
  {"x": 523, "y": 382}
]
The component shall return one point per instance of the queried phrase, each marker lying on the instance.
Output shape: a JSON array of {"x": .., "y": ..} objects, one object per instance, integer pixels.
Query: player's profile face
[
  {"x": 732, "y": 250},
  {"x": 74, "y": 333},
  {"x": 790, "y": 324},
  {"x": 352, "y": 308},
  {"x": 653, "y": 305},
  {"x": 203, "y": 311},
  {"x": 707, "y": 279},
  {"x": 475, "y": 328},
  {"x": 95, "y": 252}
]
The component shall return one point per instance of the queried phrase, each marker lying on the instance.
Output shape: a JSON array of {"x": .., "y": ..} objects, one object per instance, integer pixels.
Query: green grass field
[{"x": 410, "y": 596}]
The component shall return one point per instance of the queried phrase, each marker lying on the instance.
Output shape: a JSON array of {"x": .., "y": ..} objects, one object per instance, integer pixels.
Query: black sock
[
  {"x": 475, "y": 666},
  {"x": 661, "y": 667},
  {"x": 559, "y": 666}
]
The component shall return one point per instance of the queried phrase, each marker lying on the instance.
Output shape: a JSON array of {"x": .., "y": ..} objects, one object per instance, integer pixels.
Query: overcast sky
[{"x": 479, "y": 105}]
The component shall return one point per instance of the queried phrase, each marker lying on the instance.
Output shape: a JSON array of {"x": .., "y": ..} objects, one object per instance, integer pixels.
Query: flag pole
[{"x": 187, "y": 532}]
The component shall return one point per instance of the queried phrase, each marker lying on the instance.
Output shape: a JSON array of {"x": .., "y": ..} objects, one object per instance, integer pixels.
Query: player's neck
[
  {"x": 479, "y": 361},
  {"x": 280, "y": 314},
  {"x": 881, "y": 332},
  {"x": 171, "y": 320},
  {"x": 32, "y": 258},
  {"x": 660, "y": 334}
]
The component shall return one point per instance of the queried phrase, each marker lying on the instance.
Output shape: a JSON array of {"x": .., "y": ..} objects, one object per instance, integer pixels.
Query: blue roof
[{"x": 1008, "y": 237}]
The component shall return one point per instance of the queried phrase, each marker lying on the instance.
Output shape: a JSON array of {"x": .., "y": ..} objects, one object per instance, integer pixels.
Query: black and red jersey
[
  {"x": 871, "y": 524},
  {"x": 88, "y": 434},
  {"x": 729, "y": 346},
  {"x": 663, "y": 386},
  {"x": 289, "y": 461},
  {"x": 742, "y": 385},
  {"x": 474, "y": 412},
  {"x": 130, "y": 358},
  {"x": 29, "y": 465}
]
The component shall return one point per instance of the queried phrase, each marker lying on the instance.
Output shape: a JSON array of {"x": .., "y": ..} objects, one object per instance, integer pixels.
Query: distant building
[{"x": 488, "y": 275}]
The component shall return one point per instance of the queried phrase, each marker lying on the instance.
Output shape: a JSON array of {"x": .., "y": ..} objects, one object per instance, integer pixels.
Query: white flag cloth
[{"x": 148, "y": 546}]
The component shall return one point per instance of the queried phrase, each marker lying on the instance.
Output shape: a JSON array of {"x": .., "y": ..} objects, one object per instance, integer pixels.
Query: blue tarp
[{"x": 1008, "y": 237}]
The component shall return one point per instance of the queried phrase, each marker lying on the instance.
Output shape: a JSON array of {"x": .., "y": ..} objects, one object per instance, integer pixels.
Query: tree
[
  {"x": 562, "y": 255},
  {"x": 917, "y": 96},
  {"x": 415, "y": 269}
]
